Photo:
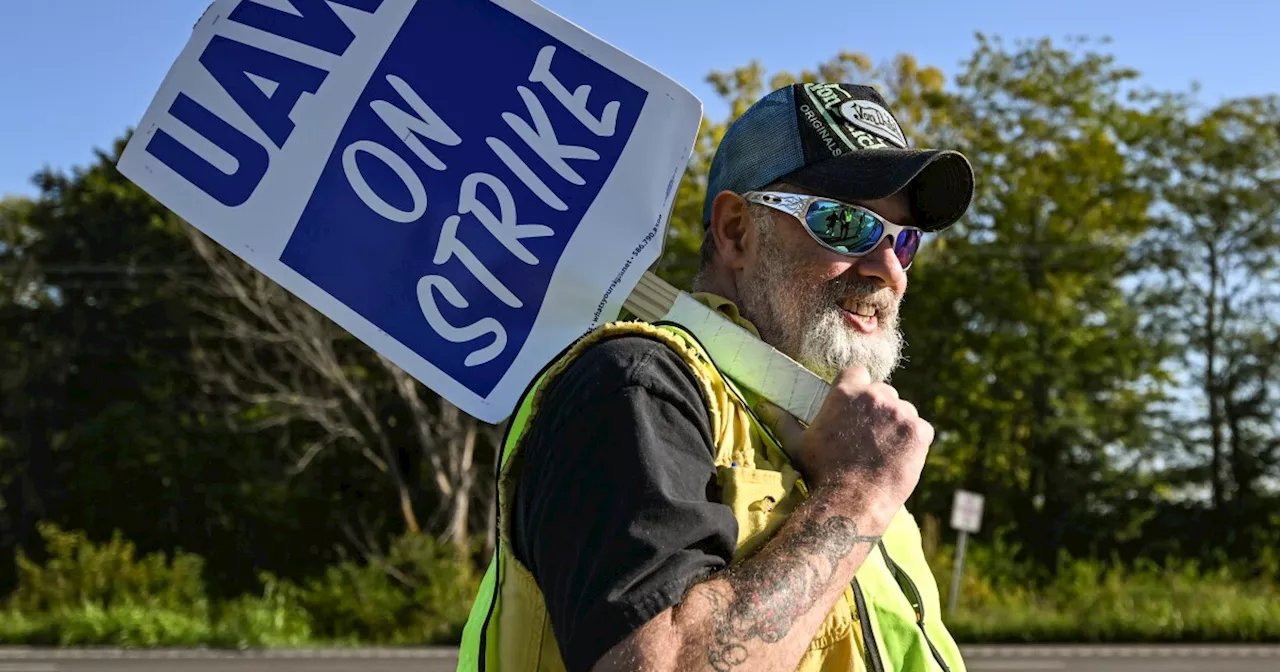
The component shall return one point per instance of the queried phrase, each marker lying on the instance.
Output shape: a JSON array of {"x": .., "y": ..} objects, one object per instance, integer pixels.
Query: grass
[
  {"x": 419, "y": 593},
  {"x": 1126, "y": 605},
  {"x": 1095, "y": 601}
]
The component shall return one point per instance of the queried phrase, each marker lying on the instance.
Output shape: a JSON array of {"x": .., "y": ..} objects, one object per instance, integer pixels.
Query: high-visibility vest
[{"x": 889, "y": 617}]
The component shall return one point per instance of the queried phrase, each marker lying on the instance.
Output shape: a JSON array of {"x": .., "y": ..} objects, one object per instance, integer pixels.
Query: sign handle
[{"x": 749, "y": 361}]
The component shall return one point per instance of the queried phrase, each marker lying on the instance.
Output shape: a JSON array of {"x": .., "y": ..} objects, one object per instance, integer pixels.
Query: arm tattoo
[{"x": 767, "y": 600}]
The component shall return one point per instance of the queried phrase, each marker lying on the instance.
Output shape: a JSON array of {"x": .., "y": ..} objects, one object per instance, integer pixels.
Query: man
[{"x": 650, "y": 518}]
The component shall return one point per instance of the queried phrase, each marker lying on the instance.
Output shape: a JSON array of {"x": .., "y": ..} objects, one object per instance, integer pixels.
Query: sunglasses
[{"x": 843, "y": 228}]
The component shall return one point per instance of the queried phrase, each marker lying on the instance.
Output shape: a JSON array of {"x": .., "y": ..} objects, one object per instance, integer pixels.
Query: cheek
[
  {"x": 813, "y": 277},
  {"x": 839, "y": 269},
  {"x": 804, "y": 264},
  {"x": 816, "y": 262},
  {"x": 826, "y": 266}
]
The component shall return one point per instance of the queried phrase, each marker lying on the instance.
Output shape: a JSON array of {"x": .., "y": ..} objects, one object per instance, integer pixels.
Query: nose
[{"x": 881, "y": 265}]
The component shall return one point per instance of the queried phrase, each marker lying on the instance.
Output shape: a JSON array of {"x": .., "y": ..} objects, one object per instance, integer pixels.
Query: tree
[
  {"x": 282, "y": 363},
  {"x": 1097, "y": 342},
  {"x": 1024, "y": 348},
  {"x": 95, "y": 398},
  {"x": 104, "y": 425},
  {"x": 1214, "y": 285},
  {"x": 84, "y": 314}
]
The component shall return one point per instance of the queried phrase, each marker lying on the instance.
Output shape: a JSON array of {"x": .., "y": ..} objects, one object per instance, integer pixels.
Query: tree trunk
[
  {"x": 411, "y": 525},
  {"x": 491, "y": 529},
  {"x": 462, "y": 453},
  {"x": 1048, "y": 454},
  {"x": 1212, "y": 390},
  {"x": 1041, "y": 445}
]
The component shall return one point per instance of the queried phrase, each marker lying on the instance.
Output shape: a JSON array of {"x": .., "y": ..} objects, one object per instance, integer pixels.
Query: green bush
[
  {"x": 1090, "y": 600},
  {"x": 83, "y": 594},
  {"x": 92, "y": 625},
  {"x": 419, "y": 592},
  {"x": 273, "y": 619},
  {"x": 79, "y": 573}
]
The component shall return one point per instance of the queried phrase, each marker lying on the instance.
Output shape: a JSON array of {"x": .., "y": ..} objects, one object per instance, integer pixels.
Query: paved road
[
  {"x": 978, "y": 659},
  {"x": 1123, "y": 658}
]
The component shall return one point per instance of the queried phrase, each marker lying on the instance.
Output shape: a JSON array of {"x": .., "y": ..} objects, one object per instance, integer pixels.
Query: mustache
[{"x": 865, "y": 291}]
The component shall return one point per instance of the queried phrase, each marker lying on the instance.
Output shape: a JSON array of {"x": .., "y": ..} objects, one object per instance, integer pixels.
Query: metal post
[{"x": 959, "y": 569}]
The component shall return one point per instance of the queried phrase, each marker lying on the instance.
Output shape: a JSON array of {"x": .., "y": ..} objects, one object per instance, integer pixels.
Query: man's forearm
[{"x": 764, "y": 613}]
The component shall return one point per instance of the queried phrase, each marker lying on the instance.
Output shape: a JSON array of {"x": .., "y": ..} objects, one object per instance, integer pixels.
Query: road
[
  {"x": 1122, "y": 658},
  {"x": 978, "y": 659}
]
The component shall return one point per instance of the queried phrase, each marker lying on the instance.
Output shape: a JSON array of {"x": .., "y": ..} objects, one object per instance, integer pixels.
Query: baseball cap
[{"x": 841, "y": 141}]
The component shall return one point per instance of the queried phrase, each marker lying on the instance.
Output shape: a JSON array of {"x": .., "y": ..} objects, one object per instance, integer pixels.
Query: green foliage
[
  {"x": 102, "y": 577},
  {"x": 418, "y": 592},
  {"x": 133, "y": 626},
  {"x": 1032, "y": 361},
  {"x": 274, "y": 618},
  {"x": 84, "y": 593},
  {"x": 1213, "y": 285},
  {"x": 1096, "y": 343},
  {"x": 1090, "y": 600}
]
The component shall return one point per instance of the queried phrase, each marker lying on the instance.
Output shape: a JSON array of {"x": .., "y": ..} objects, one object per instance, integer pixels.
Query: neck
[{"x": 716, "y": 281}]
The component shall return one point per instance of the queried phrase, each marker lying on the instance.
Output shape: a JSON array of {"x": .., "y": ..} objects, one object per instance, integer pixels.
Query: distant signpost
[{"x": 966, "y": 517}]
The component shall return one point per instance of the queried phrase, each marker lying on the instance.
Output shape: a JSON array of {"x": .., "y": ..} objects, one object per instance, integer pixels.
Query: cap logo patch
[
  {"x": 874, "y": 119},
  {"x": 839, "y": 120}
]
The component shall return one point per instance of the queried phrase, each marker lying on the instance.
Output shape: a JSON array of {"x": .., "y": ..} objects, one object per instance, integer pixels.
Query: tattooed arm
[
  {"x": 762, "y": 614},
  {"x": 862, "y": 456}
]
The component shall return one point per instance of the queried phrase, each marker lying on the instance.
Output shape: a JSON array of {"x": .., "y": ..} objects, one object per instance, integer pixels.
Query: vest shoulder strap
[{"x": 672, "y": 335}]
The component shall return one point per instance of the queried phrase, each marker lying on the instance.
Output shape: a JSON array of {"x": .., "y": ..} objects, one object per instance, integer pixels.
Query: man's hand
[
  {"x": 862, "y": 457},
  {"x": 866, "y": 443}
]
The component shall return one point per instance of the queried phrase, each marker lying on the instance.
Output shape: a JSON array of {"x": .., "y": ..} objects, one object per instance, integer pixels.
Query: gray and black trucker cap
[{"x": 841, "y": 141}]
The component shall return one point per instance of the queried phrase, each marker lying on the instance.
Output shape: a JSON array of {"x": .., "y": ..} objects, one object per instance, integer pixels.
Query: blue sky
[{"x": 74, "y": 74}]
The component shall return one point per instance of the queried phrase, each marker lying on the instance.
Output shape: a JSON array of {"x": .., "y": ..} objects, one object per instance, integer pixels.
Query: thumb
[{"x": 788, "y": 430}]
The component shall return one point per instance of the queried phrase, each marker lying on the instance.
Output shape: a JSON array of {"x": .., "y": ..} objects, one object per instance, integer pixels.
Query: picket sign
[{"x": 466, "y": 186}]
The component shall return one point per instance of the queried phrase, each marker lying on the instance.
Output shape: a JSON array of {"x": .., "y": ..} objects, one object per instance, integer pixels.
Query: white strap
[{"x": 749, "y": 361}]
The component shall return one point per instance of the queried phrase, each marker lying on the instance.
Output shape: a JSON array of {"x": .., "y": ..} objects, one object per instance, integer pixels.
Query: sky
[{"x": 76, "y": 74}]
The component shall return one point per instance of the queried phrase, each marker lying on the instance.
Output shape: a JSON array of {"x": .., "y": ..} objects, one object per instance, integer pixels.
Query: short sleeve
[{"x": 615, "y": 511}]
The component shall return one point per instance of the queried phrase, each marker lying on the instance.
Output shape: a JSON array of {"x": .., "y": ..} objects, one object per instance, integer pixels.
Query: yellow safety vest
[{"x": 889, "y": 617}]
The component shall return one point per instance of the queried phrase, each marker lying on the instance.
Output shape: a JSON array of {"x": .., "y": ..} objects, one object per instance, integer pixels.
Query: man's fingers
[
  {"x": 788, "y": 430},
  {"x": 855, "y": 375},
  {"x": 926, "y": 432}
]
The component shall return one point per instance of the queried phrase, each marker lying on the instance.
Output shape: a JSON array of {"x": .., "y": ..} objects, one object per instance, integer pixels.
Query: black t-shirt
[{"x": 616, "y": 511}]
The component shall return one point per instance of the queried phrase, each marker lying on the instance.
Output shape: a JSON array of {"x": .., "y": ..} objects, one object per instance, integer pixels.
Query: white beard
[{"x": 808, "y": 324}]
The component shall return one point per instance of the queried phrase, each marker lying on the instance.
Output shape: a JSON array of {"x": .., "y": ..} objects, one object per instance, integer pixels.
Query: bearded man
[{"x": 649, "y": 517}]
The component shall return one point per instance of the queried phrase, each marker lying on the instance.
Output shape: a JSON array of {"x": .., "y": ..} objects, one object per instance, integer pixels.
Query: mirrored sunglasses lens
[
  {"x": 906, "y": 245},
  {"x": 844, "y": 228}
]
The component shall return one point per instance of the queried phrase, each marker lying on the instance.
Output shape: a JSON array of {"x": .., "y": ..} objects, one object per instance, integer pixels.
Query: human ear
[{"x": 733, "y": 230}]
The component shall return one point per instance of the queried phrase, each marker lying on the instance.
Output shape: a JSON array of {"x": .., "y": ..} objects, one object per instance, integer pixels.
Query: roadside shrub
[
  {"x": 1091, "y": 600},
  {"x": 275, "y": 618},
  {"x": 78, "y": 575},
  {"x": 418, "y": 592}
]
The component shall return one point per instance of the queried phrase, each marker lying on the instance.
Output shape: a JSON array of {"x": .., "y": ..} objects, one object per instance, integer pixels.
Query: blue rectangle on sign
[{"x": 456, "y": 183}]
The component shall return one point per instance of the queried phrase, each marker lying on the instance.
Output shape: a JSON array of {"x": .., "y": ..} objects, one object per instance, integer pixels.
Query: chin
[{"x": 826, "y": 356}]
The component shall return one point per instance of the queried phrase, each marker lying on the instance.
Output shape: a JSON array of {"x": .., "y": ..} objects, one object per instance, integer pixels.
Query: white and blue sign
[{"x": 465, "y": 185}]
